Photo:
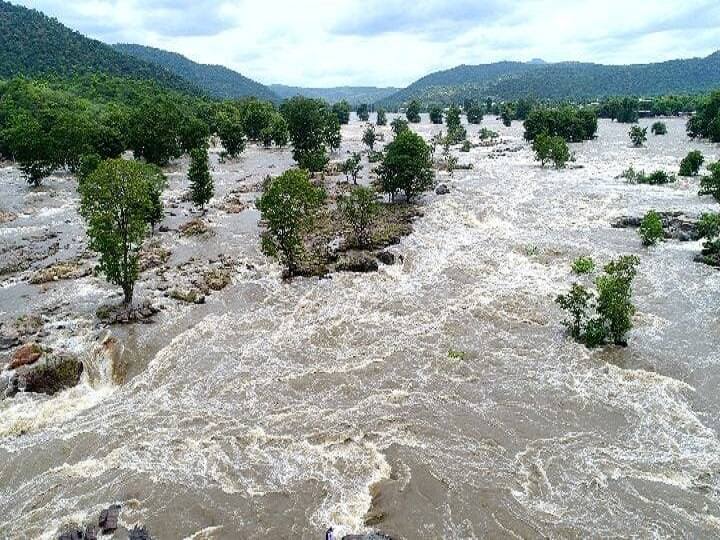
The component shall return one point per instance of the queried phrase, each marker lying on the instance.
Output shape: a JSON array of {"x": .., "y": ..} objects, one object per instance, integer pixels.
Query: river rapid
[{"x": 277, "y": 409}]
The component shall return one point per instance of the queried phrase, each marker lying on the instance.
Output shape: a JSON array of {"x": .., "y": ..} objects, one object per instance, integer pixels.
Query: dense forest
[{"x": 217, "y": 81}]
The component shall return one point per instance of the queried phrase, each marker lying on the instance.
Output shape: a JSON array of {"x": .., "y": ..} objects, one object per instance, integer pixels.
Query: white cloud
[{"x": 393, "y": 42}]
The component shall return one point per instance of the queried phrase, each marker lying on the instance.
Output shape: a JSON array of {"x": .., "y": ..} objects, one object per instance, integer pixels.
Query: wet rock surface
[
  {"x": 357, "y": 262},
  {"x": 676, "y": 225}
]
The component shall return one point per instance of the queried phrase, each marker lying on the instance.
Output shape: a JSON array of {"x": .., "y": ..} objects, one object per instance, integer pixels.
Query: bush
[
  {"x": 690, "y": 165},
  {"x": 352, "y": 167},
  {"x": 436, "y": 115},
  {"x": 368, "y": 137},
  {"x": 638, "y": 135},
  {"x": 288, "y": 207},
  {"x": 583, "y": 265},
  {"x": 659, "y": 128},
  {"x": 709, "y": 228},
  {"x": 363, "y": 112},
  {"x": 399, "y": 125},
  {"x": 342, "y": 111},
  {"x": 381, "y": 117},
  {"x": 651, "y": 229},
  {"x": 465, "y": 146},
  {"x": 554, "y": 149},
  {"x": 407, "y": 166},
  {"x": 474, "y": 113},
  {"x": 640, "y": 177},
  {"x": 710, "y": 185},
  {"x": 413, "y": 112},
  {"x": 488, "y": 134},
  {"x": 605, "y": 314},
  {"x": 359, "y": 209}
]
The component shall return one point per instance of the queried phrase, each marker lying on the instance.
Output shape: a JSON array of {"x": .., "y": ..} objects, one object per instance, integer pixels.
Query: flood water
[{"x": 277, "y": 409}]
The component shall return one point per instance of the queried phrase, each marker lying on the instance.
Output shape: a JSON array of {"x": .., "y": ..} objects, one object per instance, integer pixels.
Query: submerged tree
[
  {"x": 436, "y": 114},
  {"x": 288, "y": 206},
  {"x": 638, "y": 135},
  {"x": 369, "y": 137},
  {"x": 201, "y": 183},
  {"x": 342, "y": 111},
  {"x": 659, "y": 128},
  {"x": 359, "y": 209},
  {"x": 399, "y": 125},
  {"x": 651, "y": 229},
  {"x": 690, "y": 165},
  {"x": 407, "y": 166},
  {"x": 710, "y": 185},
  {"x": 381, "y": 117},
  {"x": 352, "y": 167},
  {"x": 455, "y": 132},
  {"x": 413, "y": 112},
  {"x": 114, "y": 203},
  {"x": 313, "y": 129}
]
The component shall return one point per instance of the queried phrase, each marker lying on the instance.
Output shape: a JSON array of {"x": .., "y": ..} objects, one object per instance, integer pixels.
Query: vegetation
[
  {"x": 705, "y": 124},
  {"x": 115, "y": 202},
  {"x": 709, "y": 228},
  {"x": 368, "y": 137},
  {"x": 399, "y": 125},
  {"x": 342, "y": 111},
  {"x": 313, "y": 129},
  {"x": 359, "y": 209},
  {"x": 506, "y": 116},
  {"x": 363, "y": 112},
  {"x": 407, "y": 166},
  {"x": 288, "y": 207},
  {"x": 690, "y": 165},
  {"x": 659, "y": 128},
  {"x": 571, "y": 123},
  {"x": 352, "y": 167},
  {"x": 710, "y": 184},
  {"x": 651, "y": 229},
  {"x": 596, "y": 317},
  {"x": 201, "y": 183},
  {"x": 548, "y": 148},
  {"x": 455, "y": 132},
  {"x": 413, "y": 112},
  {"x": 381, "y": 117},
  {"x": 583, "y": 265},
  {"x": 638, "y": 135},
  {"x": 436, "y": 114},
  {"x": 474, "y": 112},
  {"x": 488, "y": 134},
  {"x": 658, "y": 177}
]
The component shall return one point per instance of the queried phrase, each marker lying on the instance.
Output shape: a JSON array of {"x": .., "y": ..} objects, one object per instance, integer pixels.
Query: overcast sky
[{"x": 393, "y": 42}]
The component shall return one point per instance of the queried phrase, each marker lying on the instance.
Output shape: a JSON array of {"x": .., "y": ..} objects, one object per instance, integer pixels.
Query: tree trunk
[{"x": 128, "y": 293}]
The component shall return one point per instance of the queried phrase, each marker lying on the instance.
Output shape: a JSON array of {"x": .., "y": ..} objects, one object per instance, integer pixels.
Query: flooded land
[{"x": 438, "y": 397}]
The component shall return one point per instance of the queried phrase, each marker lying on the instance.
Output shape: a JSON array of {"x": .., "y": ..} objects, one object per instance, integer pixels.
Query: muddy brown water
[{"x": 277, "y": 409}]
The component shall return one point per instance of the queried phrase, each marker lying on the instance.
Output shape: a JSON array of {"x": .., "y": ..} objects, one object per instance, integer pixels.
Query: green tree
[
  {"x": 359, "y": 209},
  {"x": 279, "y": 130},
  {"x": 638, "y": 135},
  {"x": 313, "y": 128},
  {"x": 651, "y": 229},
  {"x": 381, "y": 117},
  {"x": 474, "y": 112},
  {"x": 32, "y": 149},
  {"x": 436, "y": 114},
  {"x": 229, "y": 127},
  {"x": 369, "y": 137},
  {"x": 705, "y": 123},
  {"x": 114, "y": 203},
  {"x": 288, "y": 206},
  {"x": 342, "y": 111},
  {"x": 542, "y": 146},
  {"x": 507, "y": 116},
  {"x": 690, "y": 165},
  {"x": 710, "y": 184},
  {"x": 627, "y": 110},
  {"x": 154, "y": 130},
  {"x": 255, "y": 115},
  {"x": 659, "y": 128},
  {"x": 352, "y": 167},
  {"x": 553, "y": 149},
  {"x": 201, "y": 182},
  {"x": 363, "y": 112},
  {"x": 455, "y": 132},
  {"x": 413, "y": 112},
  {"x": 399, "y": 125},
  {"x": 407, "y": 166}
]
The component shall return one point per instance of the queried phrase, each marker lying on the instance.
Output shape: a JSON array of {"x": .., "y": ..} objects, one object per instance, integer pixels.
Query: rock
[
  {"x": 56, "y": 272},
  {"x": 677, "y": 226},
  {"x": 442, "y": 189},
  {"x": 386, "y": 257},
  {"x": 369, "y": 536},
  {"x": 711, "y": 259},
  {"x": 153, "y": 256},
  {"x": 76, "y": 533},
  {"x": 217, "y": 279},
  {"x": 9, "y": 338},
  {"x": 191, "y": 296},
  {"x": 139, "y": 533},
  {"x": 6, "y": 217},
  {"x": 122, "y": 314},
  {"x": 50, "y": 376},
  {"x": 357, "y": 263},
  {"x": 108, "y": 521},
  {"x": 194, "y": 227},
  {"x": 26, "y": 355},
  {"x": 164, "y": 228}
]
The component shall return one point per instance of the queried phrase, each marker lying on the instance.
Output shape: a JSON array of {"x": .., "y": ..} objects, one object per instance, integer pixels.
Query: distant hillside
[
  {"x": 217, "y": 81},
  {"x": 352, "y": 94},
  {"x": 567, "y": 80},
  {"x": 34, "y": 44}
]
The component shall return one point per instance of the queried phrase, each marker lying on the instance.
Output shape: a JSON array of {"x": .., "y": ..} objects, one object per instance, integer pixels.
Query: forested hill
[
  {"x": 354, "y": 95},
  {"x": 33, "y": 44},
  {"x": 567, "y": 80},
  {"x": 217, "y": 81}
]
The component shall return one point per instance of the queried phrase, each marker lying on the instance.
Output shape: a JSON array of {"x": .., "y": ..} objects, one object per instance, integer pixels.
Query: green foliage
[
  {"x": 436, "y": 114},
  {"x": 276, "y": 132},
  {"x": 154, "y": 130},
  {"x": 638, "y": 135},
  {"x": 255, "y": 115},
  {"x": 352, "y": 167},
  {"x": 625, "y": 110},
  {"x": 381, "y": 117},
  {"x": 659, "y": 128},
  {"x": 229, "y": 127},
  {"x": 571, "y": 123},
  {"x": 710, "y": 184},
  {"x": 705, "y": 124},
  {"x": 690, "y": 165},
  {"x": 363, "y": 112},
  {"x": 407, "y": 166},
  {"x": 553, "y": 149},
  {"x": 115, "y": 202},
  {"x": 368, "y": 137},
  {"x": 656, "y": 178},
  {"x": 413, "y": 112},
  {"x": 709, "y": 228},
  {"x": 201, "y": 183},
  {"x": 583, "y": 265},
  {"x": 506, "y": 116},
  {"x": 651, "y": 229},
  {"x": 455, "y": 132},
  {"x": 399, "y": 125},
  {"x": 474, "y": 112},
  {"x": 359, "y": 209},
  {"x": 466, "y": 146},
  {"x": 313, "y": 129},
  {"x": 288, "y": 207},
  {"x": 488, "y": 134},
  {"x": 595, "y": 317},
  {"x": 342, "y": 111}
]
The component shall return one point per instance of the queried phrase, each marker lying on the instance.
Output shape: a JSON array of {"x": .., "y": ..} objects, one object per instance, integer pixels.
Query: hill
[
  {"x": 352, "y": 94},
  {"x": 217, "y": 81},
  {"x": 566, "y": 80},
  {"x": 33, "y": 44}
]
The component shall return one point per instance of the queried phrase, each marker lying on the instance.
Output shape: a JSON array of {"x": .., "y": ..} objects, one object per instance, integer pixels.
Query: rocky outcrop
[
  {"x": 190, "y": 296},
  {"x": 26, "y": 355},
  {"x": 442, "y": 189},
  {"x": 676, "y": 225},
  {"x": 360, "y": 262},
  {"x": 194, "y": 227},
  {"x": 13, "y": 333},
  {"x": 122, "y": 314},
  {"x": 217, "y": 279},
  {"x": 62, "y": 270},
  {"x": 49, "y": 375},
  {"x": 386, "y": 257}
]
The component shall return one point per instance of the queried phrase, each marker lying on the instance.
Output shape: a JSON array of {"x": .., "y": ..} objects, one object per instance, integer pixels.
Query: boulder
[
  {"x": 191, "y": 296},
  {"x": 108, "y": 521},
  {"x": 442, "y": 189},
  {"x": 139, "y": 533},
  {"x": 217, "y": 279},
  {"x": 194, "y": 227},
  {"x": 386, "y": 257},
  {"x": 26, "y": 355},
  {"x": 357, "y": 263},
  {"x": 54, "y": 374},
  {"x": 677, "y": 226}
]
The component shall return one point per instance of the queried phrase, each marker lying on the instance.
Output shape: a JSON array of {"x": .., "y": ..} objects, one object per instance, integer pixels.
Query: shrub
[
  {"x": 640, "y": 177},
  {"x": 465, "y": 146},
  {"x": 690, "y": 165},
  {"x": 413, "y": 112},
  {"x": 352, "y": 167},
  {"x": 488, "y": 134},
  {"x": 709, "y": 228},
  {"x": 381, "y": 117},
  {"x": 399, "y": 125},
  {"x": 638, "y": 135},
  {"x": 407, "y": 166},
  {"x": 595, "y": 317},
  {"x": 506, "y": 117},
  {"x": 436, "y": 115},
  {"x": 359, "y": 208},
  {"x": 710, "y": 184},
  {"x": 368, "y": 137},
  {"x": 342, "y": 111},
  {"x": 554, "y": 149},
  {"x": 363, "y": 112},
  {"x": 571, "y": 123},
  {"x": 659, "y": 128},
  {"x": 455, "y": 132},
  {"x": 583, "y": 265},
  {"x": 474, "y": 113},
  {"x": 651, "y": 229},
  {"x": 288, "y": 207}
]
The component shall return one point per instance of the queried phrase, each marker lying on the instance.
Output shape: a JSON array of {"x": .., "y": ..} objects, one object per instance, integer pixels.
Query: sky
[{"x": 322, "y": 43}]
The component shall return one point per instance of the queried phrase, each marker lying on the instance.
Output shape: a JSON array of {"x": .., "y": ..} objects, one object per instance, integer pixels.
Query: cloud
[{"x": 393, "y": 42}]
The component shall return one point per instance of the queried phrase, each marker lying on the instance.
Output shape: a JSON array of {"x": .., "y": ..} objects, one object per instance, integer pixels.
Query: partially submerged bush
[
  {"x": 710, "y": 185},
  {"x": 638, "y": 135},
  {"x": 709, "y": 228},
  {"x": 597, "y": 317},
  {"x": 551, "y": 148},
  {"x": 436, "y": 115},
  {"x": 359, "y": 209},
  {"x": 651, "y": 229},
  {"x": 583, "y": 265},
  {"x": 413, "y": 112},
  {"x": 488, "y": 134},
  {"x": 407, "y": 166},
  {"x": 352, "y": 167},
  {"x": 690, "y": 165},
  {"x": 659, "y": 128},
  {"x": 640, "y": 177},
  {"x": 455, "y": 132}
]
